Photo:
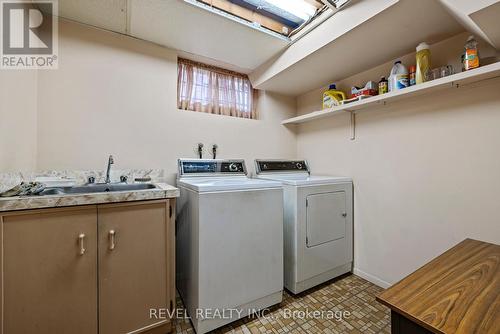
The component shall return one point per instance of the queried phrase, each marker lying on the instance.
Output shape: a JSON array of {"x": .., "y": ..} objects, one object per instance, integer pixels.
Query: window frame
[{"x": 218, "y": 91}]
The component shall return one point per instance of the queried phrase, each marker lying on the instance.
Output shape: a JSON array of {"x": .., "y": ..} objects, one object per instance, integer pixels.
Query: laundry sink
[{"x": 97, "y": 188}]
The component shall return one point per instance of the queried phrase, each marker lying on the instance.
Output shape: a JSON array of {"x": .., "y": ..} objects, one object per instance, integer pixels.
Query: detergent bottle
[
  {"x": 423, "y": 62},
  {"x": 333, "y": 97},
  {"x": 399, "y": 77}
]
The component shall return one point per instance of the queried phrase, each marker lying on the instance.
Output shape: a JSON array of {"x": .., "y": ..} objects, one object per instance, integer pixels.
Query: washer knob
[
  {"x": 298, "y": 165},
  {"x": 233, "y": 167}
]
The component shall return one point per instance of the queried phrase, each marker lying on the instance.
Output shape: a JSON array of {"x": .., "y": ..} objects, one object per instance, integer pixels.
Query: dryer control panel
[
  {"x": 204, "y": 167},
  {"x": 281, "y": 166}
]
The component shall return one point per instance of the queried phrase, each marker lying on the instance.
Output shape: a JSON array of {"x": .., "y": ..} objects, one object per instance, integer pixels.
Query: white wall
[
  {"x": 117, "y": 95},
  {"x": 426, "y": 170},
  {"x": 18, "y": 121}
]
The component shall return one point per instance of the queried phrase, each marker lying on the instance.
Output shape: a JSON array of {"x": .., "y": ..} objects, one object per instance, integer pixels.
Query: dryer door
[{"x": 326, "y": 218}]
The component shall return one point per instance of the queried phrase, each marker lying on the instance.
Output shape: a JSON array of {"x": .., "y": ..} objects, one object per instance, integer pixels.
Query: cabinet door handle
[
  {"x": 81, "y": 238},
  {"x": 111, "y": 235}
]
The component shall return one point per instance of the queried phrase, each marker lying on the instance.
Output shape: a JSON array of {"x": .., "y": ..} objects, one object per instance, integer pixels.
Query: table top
[{"x": 457, "y": 292}]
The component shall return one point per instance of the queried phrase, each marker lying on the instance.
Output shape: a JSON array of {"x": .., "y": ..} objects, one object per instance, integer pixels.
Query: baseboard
[{"x": 370, "y": 278}]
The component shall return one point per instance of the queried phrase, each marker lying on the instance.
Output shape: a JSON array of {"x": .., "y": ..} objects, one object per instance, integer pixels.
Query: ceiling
[
  {"x": 173, "y": 23},
  {"x": 353, "y": 40},
  {"x": 487, "y": 20},
  {"x": 384, "y": 37},
  {"x": 108, "y": 14}
]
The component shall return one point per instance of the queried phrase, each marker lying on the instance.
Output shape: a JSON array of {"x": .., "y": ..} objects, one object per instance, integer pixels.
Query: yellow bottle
[
  {"x": 333, "y": 97},
  {"x": 423, "y": 62}
]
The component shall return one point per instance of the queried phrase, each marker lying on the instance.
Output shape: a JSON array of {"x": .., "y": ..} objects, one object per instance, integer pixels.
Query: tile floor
[{"x": 348, "y": 293}]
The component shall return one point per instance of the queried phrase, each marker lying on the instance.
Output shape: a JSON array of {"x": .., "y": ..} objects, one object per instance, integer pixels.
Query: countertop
[
  {"x": 162, "y": 190},
  {"x": 457, "y": 292}
]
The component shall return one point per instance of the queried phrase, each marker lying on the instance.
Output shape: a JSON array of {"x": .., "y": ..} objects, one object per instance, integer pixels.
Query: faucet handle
[
  {"x": 91, "y": 180},
  {"x": 123, "y": 178}
]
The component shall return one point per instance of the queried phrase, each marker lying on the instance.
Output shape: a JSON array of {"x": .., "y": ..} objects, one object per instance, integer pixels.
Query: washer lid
[
  {"x": 297, "y": 179},
  {"x": 209, "y": 184}
]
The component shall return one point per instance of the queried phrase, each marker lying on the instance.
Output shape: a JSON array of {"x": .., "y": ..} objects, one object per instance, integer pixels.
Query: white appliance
[
  {"x": 229, "y": 241},
  {"x": 318, "y": 223}
]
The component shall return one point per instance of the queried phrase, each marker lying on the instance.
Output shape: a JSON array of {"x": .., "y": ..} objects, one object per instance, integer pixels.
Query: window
[
  {"x": 281, "y": 16},
  {"x": 214, "y": 90}
]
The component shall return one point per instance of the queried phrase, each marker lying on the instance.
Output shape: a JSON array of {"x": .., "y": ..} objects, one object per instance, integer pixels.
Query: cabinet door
[
  {"x": 326, "y": 219},
  {"x": 49, "y": 271},
  {"x": 133, "y": 266}
]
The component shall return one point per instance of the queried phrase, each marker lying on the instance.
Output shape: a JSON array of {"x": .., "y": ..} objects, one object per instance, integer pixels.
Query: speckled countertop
[{"x": 162, "y": 190}]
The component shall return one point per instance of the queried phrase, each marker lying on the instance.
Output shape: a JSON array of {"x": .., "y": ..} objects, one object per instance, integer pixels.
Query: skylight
[
  {"x": 280, "y": 16},
  {"x": 296, "y": 11}
]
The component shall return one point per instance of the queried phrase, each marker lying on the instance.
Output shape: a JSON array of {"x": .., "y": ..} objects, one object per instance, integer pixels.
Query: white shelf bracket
[{"x": 353, "y": 125}]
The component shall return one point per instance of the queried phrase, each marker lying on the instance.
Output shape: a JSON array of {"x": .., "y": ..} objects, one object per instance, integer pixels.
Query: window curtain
[{"x": 214, "y": 90}]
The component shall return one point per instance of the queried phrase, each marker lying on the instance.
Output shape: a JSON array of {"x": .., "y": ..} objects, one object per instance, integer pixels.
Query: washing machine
[
  {"x": 318, "y": 222},
  {"x": 229, "y": 242}
]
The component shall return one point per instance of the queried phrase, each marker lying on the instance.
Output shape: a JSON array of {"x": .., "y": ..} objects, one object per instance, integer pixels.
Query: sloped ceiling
[
  {"x": 180, "y": 26},
  {"x": 487, "y": 21},
  {"x": 107, "y": 14},
  {"x": 274, "y": 63},
  {"x": 381, "y": 37},
  {"x": 479, "y": 17}
]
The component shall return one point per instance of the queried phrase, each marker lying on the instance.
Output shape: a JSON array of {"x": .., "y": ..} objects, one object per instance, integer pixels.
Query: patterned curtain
[{"x": 214, "y": 90}]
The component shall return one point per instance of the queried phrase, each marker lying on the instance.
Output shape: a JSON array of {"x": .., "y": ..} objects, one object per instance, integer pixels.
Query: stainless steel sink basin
[{"x": 97, "y": 188}]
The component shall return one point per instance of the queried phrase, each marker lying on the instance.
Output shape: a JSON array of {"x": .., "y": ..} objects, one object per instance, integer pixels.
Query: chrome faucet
[{"x": 110, "y": 162}]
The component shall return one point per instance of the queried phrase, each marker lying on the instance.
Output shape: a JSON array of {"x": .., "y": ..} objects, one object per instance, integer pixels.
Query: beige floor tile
[{"x": 348, "y": 293}]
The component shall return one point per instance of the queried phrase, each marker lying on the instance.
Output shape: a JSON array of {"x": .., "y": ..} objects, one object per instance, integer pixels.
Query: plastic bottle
[
  {"x": 333, "y": 97},
  {"x": 399, "y": 77},
  {"x": 423, "y": 62},
  {"x": 413, "y": 73},
  {"x": 471, "y": 59},
  {"x": 383, "y": 86}
]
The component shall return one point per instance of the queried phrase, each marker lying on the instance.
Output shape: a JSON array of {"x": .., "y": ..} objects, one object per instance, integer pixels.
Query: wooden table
[{"x": 457, "y": 292}]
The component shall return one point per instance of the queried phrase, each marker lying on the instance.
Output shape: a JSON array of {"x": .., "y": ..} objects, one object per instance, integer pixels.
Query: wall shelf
[{"x": 455, "y": 80}]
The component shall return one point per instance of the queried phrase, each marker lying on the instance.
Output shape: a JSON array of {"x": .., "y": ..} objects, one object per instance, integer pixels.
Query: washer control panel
[
  {"x": 281, "y": 166},
  {"x": 232, "y": 167},
  {"x": 205, "y": 167}
]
